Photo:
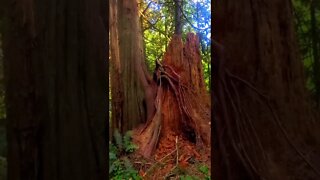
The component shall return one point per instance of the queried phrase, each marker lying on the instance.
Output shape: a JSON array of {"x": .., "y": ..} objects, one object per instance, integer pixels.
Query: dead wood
[{"x": 182, "y": 103}]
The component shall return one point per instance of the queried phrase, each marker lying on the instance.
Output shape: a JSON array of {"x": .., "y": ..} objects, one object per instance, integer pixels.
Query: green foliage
[
  {"x": 119, "y": 165},
  {"x": 122, "y": 169},
  {"x": 118, "y": 140},
  {"x": 196, "y": 172},
  {"x": 188, "y": 177},
  {"x": 129, "y": 147},
  {"x": 205, "y": 171},
  {"x": 302, "y": 14},
  {"x": 158, "y": 27},
  {"x": 123, "y": 145}
]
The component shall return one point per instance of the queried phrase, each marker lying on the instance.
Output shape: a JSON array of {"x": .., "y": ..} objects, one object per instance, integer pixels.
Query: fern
[
  {"x": 127, "y": 138},
  {"x": 129, "y": 145},
  {"x": 205, "y": 171},
  {"x": 121, "y": 168},
  {"x": 127, "y": 163},
  {"x": 118, "y": 139}
]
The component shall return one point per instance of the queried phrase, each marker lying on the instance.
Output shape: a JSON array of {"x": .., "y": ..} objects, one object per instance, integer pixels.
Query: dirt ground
[{"x": 175, "y": 157}]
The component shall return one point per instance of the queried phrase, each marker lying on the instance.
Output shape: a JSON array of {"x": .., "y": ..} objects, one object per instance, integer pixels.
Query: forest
[{"x": 159, "y": 89}]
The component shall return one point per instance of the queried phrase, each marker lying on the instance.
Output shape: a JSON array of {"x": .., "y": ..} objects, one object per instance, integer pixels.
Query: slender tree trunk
[
  {"x": 142, "y": 16},
  {"x": 178, "y": 17},
  {"x": 263, "y": 121},
  {"x": 56, "y": 89},
  {"x": 117, "y": 90}
]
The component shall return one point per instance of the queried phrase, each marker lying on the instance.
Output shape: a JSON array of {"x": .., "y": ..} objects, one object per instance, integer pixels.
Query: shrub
[{"x": 119, "y": 165}]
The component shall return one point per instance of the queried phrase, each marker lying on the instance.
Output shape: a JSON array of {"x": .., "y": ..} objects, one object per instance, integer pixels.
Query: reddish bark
[{"x": 182, "y": 103}]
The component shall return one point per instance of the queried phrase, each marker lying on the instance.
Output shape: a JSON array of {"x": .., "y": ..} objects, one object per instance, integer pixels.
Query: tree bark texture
[
  {"x": 56, "y": 89},
  {"x": 128, "y": 78},
  {"x": 263, "y": 122},
  {"x": 178, "y": 16},
  {"x": 115, "y": 70},
  {"x": 182, "y": 102}
]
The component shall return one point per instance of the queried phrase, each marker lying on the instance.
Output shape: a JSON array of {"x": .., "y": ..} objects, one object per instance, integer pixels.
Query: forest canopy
[
  {"x": 157, "y": 19},
  {"x": 307, "y": 26}
]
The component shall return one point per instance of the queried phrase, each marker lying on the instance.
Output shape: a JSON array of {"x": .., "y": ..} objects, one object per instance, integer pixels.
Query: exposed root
[{"x": 180, "y": 155}]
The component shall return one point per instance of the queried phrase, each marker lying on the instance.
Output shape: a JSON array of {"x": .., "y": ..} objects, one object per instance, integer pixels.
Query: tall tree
[
  {"x": 115, "y": 70},
  {"x": 56, "y": 89},
  {"x": 130, "y": 85},
  {"x": 263, "y": 120},
  {"x": 178, "y": 16}
]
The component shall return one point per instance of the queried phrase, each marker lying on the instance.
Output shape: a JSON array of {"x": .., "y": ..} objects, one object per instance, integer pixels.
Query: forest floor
[{"x": 174, "y": 158}]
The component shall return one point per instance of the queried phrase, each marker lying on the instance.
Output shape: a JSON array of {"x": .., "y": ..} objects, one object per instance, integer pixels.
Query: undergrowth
[
  {"x": 203, "y": 169},
  {"x": 119, "y": 165},
  {"x": 121, "y": 168},
  {"x": 202, "y": 173}
]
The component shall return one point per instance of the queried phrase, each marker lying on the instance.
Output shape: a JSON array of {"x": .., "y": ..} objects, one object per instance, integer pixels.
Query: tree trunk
[
  {"x": 129, "y": 79},
  {"x": 264, "y": 123},
  {"x": 182, "y": 102},
  {"x": 117, "y": 90},
  {"x": 178, "y": 17},
  {"x": 56, "y": 89}
]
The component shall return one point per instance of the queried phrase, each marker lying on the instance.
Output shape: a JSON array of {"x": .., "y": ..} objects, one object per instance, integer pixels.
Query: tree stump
[{"x": 182, "y": 103}]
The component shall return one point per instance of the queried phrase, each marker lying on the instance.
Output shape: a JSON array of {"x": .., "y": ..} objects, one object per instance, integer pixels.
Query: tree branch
[{"x": 153, "y": 25}]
